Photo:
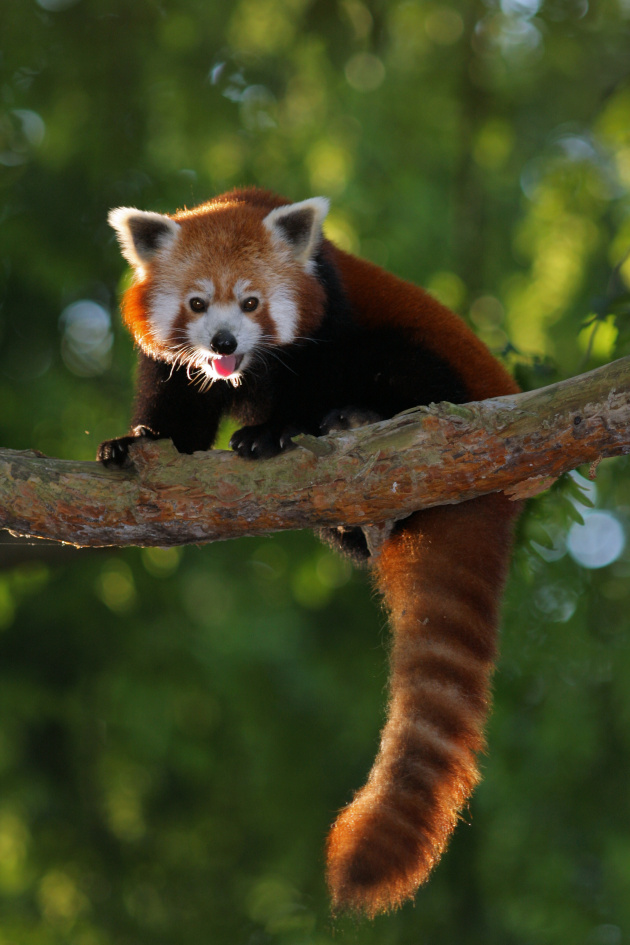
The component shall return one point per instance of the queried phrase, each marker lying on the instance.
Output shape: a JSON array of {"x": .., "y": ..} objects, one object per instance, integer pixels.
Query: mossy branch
[{"x": 426, "y": 456}]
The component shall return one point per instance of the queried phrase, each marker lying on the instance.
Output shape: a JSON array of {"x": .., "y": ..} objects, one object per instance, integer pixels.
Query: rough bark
[{"x": 426, "y": 456}]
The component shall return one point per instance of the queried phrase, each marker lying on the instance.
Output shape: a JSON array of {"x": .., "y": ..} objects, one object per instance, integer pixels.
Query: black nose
[{"x": 223, "y": 342}]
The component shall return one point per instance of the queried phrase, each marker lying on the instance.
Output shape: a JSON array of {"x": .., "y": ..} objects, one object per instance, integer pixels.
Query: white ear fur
[
  {"x": 142, "y": 234},
  {"x": 299, "y": 226}
]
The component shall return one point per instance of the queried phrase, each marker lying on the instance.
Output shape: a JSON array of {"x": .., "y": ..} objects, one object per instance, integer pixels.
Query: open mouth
[{"x": 225, "y": 365}]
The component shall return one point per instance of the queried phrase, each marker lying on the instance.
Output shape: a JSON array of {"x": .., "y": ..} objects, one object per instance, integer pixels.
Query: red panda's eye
[
  {"x": 198, "y": 305},
  {"x": 250, "y": 304}
]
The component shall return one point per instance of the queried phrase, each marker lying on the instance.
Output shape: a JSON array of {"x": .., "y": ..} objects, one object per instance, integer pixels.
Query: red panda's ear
[
  {"x": 299, "y": 226},
  {"x": 142, "y": 234}
]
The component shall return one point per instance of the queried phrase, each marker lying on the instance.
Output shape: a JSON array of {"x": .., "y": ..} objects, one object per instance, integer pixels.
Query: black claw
[
  {"x": 116, "y": 452},
  {"x": 262, "y": 442}
]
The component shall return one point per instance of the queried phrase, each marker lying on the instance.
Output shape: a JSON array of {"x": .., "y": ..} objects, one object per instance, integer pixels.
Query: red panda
[{"x": 241, "y": 307}]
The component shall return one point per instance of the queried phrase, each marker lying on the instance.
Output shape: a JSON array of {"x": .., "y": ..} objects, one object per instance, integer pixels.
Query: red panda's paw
[
  {"x": 263, "y": 441},
  {"x": 349, "y": 418},
  {"x": 116, "y": 452}
]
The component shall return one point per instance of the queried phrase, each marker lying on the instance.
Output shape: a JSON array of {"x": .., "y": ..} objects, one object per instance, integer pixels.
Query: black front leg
[{"x": 168, "y": 405}]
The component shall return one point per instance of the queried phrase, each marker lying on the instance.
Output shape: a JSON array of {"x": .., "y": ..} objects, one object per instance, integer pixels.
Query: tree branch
[{"x": 426, "y": 456}]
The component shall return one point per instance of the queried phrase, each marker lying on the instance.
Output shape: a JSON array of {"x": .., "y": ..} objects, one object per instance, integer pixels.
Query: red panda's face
[{"x": 219, "y": 285}]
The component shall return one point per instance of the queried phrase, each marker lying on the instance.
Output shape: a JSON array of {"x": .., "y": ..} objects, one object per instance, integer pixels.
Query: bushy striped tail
[{"x": 441, "y": 575}]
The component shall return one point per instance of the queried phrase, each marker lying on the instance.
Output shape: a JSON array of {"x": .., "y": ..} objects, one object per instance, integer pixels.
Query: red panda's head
[{"x": 218, "y": 284}]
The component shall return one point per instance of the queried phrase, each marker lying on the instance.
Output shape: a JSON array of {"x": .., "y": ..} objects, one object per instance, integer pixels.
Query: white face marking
[
  {"x": 204, "y": 288},
  {"x": 225, "y": 316},
  {"x": 242, "y": 289},
  {"x": 192, "y": 348},
  {"x": 284, "y": 313},
  {"x": 164, "y": 309}
]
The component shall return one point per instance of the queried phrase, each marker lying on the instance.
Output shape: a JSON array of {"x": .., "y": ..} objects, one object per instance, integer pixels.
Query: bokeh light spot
[
  {"x": 448, "y": 288},
  {"x": 365, "y": 72},
  {"x": 87, "y": 338},
  {"x": 55, "y": 6},
  {"x": 444, "y": 26},
  {"x": 598, "y": 542}
]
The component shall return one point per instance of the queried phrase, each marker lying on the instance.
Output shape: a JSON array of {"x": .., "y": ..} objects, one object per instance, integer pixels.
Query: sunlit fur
[
  {"x": 442, "y": 570},
  {"x": 222, "y": 252},
  {"x": 441, "y": 578}
]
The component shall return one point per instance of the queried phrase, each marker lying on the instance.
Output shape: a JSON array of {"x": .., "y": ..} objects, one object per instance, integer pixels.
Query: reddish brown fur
[
  {"x": 441, "y": 578},
  {"x": 379, "y": 299},
  {"x": 441, "y": 574},
  {"x": 135, "y": 312},
  {"x": 385, "y": 843}
]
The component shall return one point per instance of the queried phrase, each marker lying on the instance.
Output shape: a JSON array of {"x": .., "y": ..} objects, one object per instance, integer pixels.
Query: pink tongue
[{"x": 224, "y": 366}]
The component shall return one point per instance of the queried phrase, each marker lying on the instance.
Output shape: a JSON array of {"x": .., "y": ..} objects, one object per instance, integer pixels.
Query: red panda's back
[{"x": 380, "y": 299}]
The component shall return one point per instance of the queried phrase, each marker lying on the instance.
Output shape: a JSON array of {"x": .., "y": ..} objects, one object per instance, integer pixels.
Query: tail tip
[{"x": 364, "y": 879}]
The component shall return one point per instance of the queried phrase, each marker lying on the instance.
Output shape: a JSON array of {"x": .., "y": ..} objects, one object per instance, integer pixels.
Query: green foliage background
[{"x": 177, "y": 728}]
